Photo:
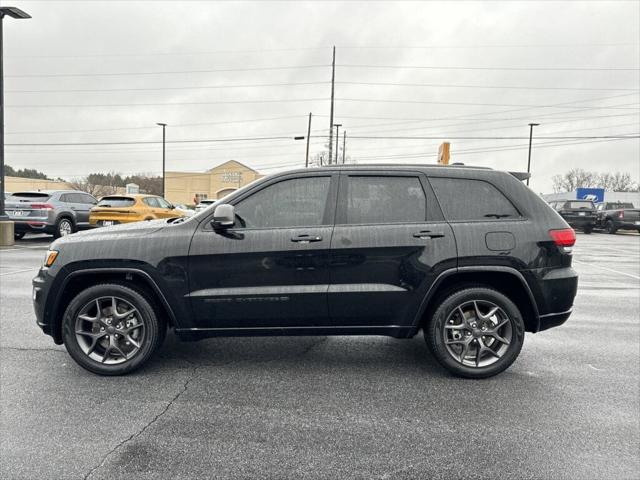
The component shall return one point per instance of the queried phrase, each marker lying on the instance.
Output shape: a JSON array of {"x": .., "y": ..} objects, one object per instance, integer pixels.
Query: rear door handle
[
  {"x": 304, "y": 238},
  {"x": 428, "y": 234}
]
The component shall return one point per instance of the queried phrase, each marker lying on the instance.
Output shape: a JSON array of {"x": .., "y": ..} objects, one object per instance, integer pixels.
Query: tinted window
[
  {"x": 40, "y": 196},
  {"x": 116, "y": 202},
  {"x": 74, "y": 198},
  {"x": 299, "y": 202},
  {"x": 464, "y": 199},
  {"x": 578, "y": 204},
  {"x": 374, "y": 200},
  {"x": 86, "y": 198},
  {"x": 152, "y": 202},
  {"x": 65, "y": 198}
]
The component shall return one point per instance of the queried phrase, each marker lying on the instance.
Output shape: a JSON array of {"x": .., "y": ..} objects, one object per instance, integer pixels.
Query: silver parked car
[
  {"x": 204, "y": 204},
  {"x": 59, "y": 212}
]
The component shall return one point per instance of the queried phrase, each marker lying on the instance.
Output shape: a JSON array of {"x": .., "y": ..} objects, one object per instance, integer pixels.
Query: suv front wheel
[
  {"x": 475, "y": 333},
  {"x": 110, "y": 329}
]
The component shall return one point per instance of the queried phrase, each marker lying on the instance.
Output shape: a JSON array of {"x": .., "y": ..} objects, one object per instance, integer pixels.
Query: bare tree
[
  {"x": 577, "y": 178},
  {"x": 574, "y": 178},
  {"x": 84, "y": 184}
]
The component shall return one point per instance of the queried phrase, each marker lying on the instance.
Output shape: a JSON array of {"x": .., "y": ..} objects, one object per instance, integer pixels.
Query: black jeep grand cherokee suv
[{"x": 469, "y": 255}]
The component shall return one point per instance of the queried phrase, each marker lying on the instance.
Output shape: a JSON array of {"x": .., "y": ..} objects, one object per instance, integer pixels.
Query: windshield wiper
[{"x": 497, "y": 215}]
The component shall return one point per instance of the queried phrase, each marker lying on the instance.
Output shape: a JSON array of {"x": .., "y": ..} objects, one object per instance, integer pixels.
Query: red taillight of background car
[
  {"x": 621, "y": 214},
  {"x": 42, "y": 206},
  {"x": 565, "y": 237}
]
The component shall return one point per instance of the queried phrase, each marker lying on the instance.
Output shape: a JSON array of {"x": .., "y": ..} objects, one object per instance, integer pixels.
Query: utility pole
[
  {"x": 531, "y": 125},
  {"x": 333, "y": 80},
  {"x": 344, "y": 145},
  {"x": 7, "y": 233},
  {"x": 306, "y": 158},
  {"x": 338, "y": 125},
  {"x": 164, "y": 127}
]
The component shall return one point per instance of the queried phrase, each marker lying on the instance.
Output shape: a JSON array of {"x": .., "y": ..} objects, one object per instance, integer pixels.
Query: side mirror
[{"x": 223, "y": 217}]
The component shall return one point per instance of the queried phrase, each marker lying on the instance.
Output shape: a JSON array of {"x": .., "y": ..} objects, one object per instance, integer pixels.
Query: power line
[
  {"x": 219, "y": 102},
  {"x": 203, "y": 87},
  {"x": 377, "y": 100},
  {"x": 153, "y": 142},
  {"x": 162, "y": 72},
  {"x": 228, "y": 122},
  {"x": 441, "y": 67},
  {"x": 500, "y": 87}
]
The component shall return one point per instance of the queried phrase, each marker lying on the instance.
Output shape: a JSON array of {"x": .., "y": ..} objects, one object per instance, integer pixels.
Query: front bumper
[{"x": 42, "y": 283}]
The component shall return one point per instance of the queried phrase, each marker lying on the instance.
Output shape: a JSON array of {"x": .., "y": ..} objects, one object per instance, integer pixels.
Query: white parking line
[
  {"x": 608, "y": 269},
  {"x": 18, "y": 271}
]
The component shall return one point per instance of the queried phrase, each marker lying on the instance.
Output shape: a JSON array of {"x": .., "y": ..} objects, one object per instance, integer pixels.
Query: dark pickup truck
[
  {"x": 614, "y": 216},
  {"x": 579, "y": 214}
]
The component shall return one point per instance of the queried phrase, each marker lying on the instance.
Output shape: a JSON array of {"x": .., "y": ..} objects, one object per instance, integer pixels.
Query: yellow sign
[{"x": 443, "y": 153}]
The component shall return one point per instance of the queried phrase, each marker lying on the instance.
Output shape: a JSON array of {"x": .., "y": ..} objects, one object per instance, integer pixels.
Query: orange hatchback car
[{"x": 115, "y": 209}]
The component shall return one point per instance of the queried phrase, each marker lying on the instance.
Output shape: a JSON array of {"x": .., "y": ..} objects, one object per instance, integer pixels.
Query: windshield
[
  {"x": 116, "y": 202},
  {"x": 613, "y": 205},
  {"x": 579, "y": 204}
]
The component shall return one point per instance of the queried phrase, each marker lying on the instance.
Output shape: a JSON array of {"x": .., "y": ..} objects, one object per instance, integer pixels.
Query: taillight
[
  {"x": 621, "y": 214},
  {"x": 42, "y": 206},
  {"x": 565, "y": 237}
]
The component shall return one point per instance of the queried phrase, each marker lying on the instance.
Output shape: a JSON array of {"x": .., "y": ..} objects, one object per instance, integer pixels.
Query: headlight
[{"x": 50, "y": 258}]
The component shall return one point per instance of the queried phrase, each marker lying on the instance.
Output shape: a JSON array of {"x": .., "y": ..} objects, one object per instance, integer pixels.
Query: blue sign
[{"x": 596, "y": 195}]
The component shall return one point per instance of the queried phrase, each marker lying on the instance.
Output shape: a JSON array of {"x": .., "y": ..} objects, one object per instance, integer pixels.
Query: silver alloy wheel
[
  {"x": 65, "y": 227},
  {"x": 477, "y": 333},
  {"x": 110, "y": 330}
]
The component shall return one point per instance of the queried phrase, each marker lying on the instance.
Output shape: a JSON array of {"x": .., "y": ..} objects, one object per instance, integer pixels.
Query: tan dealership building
[{"x": 191, "y": 187}]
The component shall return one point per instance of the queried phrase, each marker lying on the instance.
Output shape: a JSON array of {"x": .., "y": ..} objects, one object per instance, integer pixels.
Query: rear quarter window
[
  {"x": 465, "y": 199},
  {"x": 116, "y": 202}
]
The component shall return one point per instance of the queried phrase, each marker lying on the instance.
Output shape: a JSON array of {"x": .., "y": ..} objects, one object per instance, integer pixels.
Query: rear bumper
[
  {"x": 581, "y": 222},
  {"x": 36, "y": 226},
  {"x": 554, "y": 291},
  {"x": 627, "y": 225},
  {"x": 551, "y": 320}
]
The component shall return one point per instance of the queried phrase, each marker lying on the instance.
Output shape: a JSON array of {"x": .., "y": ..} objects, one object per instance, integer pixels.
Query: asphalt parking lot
[{"x": 338, "y": 407}]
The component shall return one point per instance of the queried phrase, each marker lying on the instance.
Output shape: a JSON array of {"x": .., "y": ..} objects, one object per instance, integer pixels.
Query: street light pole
[
  {"x": 344, "y": 145},
  {"x": 164, "y": 128},
  {"x": 12, "y": 12},
  {"x": 306, "y": 158},
  {"x": 337, "y": 125},
  {"x": 531, "y": 125}
]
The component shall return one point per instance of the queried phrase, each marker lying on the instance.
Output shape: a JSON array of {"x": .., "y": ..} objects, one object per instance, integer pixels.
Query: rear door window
[
  {"x": 465, "y": 199},
  {"x": 116, "y": 202},
  {"x": 374, "y": 200},
  {"x": 151, "y": 201}
]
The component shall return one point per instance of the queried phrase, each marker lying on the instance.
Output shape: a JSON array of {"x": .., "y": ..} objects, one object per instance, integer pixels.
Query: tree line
[
  {"x": 579, "y": 178},
  {"x": 97, "y": 184}
]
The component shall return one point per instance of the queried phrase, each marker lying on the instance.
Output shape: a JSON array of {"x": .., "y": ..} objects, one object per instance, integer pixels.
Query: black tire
[
  {"x": 434, "y": 332},
  {"x": 64, "y": 226},
  {"x": 18, "y": 235},
  {"x": 154, "y": 328},
  {"x": 588, "y": 230},
  {"x": 610, "y": 227}
]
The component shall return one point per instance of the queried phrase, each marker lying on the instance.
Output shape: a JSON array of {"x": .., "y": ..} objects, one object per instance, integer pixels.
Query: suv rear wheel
[
  {"x": 610, "y": 227},
  {"x": 110, "y": 329},
  {"x": 64, "y": 226},
  {"x": 475, "y": 333}
]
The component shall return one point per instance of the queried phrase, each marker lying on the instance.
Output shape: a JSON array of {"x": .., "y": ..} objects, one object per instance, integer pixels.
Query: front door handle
[
  {"x": 304, "y": 238},
  {"x": 428, "y": 234}
]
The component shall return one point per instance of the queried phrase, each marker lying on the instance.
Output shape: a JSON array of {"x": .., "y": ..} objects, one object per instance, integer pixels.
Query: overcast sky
[{"x": 96, "y": 72}]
